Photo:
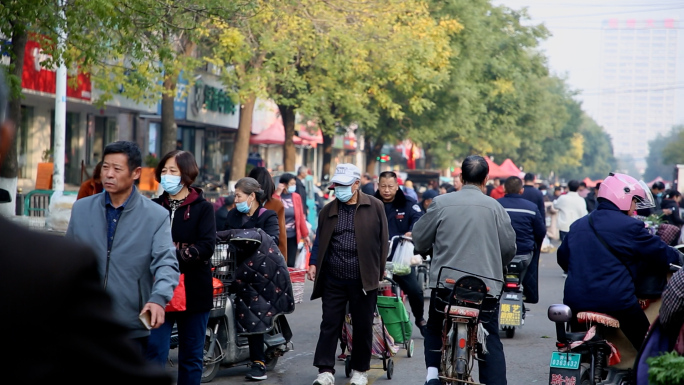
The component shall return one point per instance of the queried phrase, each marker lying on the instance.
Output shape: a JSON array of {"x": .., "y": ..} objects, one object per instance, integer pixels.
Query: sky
[{"x": 573, "y": 50}]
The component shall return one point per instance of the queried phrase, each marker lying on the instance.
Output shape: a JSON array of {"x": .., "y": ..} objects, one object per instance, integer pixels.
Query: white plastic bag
[
  {"x": 59, "y": 211},
  {"x": 402, "y": 259},
  {"x": 300, "y": 260}
]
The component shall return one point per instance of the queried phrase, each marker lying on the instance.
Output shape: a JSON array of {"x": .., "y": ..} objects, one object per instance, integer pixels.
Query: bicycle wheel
[{"x": 447, "y": 366}]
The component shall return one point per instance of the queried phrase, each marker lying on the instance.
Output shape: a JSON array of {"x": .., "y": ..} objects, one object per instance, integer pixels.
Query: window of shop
[
  {"x": 154, "y": 144},
  {"x": 102, "y": 130},
  {"x": 72, "y": 162},
  {"x": 220, "y": 144}
]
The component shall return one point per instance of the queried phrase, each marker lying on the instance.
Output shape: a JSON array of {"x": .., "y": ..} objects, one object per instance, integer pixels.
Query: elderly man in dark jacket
[
  {"x": 606, "y": 251},
  {"x": 347, "y": 264},
  {"x": 402, "y": 213},
  {"x": 529, "y": 229}
]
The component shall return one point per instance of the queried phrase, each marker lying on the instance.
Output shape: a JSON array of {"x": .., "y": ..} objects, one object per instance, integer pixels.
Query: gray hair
[
  {"x": 250, "y": 185},
  {"x": 302, "y": 169}
]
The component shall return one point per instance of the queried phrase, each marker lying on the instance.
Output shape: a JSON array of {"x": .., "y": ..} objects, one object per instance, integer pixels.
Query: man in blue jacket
[
  {"x": 402, "y": 213},
  {"x": 528, "y": 224},
  {"x": 604, "y": 252}
]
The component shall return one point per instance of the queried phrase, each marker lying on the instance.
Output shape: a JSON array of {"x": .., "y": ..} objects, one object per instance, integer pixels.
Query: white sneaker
[
  {"x": 325, "y": 378},
  {"x": 359, "y": 378}
]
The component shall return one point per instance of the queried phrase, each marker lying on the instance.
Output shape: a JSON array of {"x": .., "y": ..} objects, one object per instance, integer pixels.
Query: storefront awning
[{"x": 275, "y": 135}]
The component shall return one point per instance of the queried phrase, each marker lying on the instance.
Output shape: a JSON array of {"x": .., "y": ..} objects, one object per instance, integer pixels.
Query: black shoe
[
  {"x": 257, "y": 372},
  {"x": 434, "y": 381},
  {"x": 422, "y": 327}
]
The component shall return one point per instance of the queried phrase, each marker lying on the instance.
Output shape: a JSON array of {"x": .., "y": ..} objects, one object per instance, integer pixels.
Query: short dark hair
[
  {"x": 573, "y": 185},
  {"x": 186, "y": 165},
  {"x": 229, "y": 200},
  {"x": 543, "y": 187},
  {"x": 368, "y": 176},
  {"x": 672, "y": 194},
  {"x": 388, "y": 174},
  {"x": 130, "y": 149},
  {"x": 513, "y": 185},
  {"x": 529, "y": 177},
  {"x": 261, "y": 175},
  {"x": 286, "y": 178},
  {"x": 558, "y": 188},
  {"x": 97, "y": 172},
  {"x": 583, "y": 184},
  {"x": 658, "y": 186},
  {"x": 474, "y": 169}
]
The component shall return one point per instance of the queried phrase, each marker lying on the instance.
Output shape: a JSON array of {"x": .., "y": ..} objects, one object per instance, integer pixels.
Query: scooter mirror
[{"x": 560, "y": 313}]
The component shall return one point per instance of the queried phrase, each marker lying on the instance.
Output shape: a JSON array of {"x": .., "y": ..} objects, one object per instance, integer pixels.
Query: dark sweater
[
  {"x": 194, "y": 233},
  {"x": 266, "y": 220}
]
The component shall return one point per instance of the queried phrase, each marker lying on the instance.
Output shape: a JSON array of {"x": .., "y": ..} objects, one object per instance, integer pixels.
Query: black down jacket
[{"x": 262, "y": 283}]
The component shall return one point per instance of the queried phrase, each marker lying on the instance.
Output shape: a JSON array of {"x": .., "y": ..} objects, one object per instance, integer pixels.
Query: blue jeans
[
  {"x": 192, "y": 328},
  {"x": 493, "y": 369}
]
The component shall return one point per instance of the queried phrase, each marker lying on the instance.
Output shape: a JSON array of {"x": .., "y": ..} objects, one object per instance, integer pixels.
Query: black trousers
[
  {"x": 291, "y": 251},
  {"x": 409, "y": 284},
  {"x": 492, "y": 370},
  {"x": 362, "y": 306},
  {"x": 256, "y": 348}
]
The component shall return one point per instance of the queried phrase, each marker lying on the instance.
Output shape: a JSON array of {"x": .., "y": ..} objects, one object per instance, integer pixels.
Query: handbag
[
  {"x": 649, "y": 284},
  {"x": 178, "y": 302}
]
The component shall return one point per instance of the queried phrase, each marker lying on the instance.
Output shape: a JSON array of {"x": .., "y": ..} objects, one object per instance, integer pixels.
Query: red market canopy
[
  {"x": 314, "y": 139},
  {"x": 494, "y": 169},
  {"x": 509, "y": 168},
  {"x": 273, "y": 135},
  {"x": 591, "y": 183},
  {"x": 457, "y": 172},
  {"x": 658, "y": 179}
]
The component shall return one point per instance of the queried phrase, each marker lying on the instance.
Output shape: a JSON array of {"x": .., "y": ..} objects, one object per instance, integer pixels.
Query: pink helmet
[{"x": 621, "y": 189}]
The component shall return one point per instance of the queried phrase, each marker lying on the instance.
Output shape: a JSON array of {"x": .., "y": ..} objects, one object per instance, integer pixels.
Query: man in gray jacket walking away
[
  {"x": 469, "y": 231},
  {"x": 131, "y": 237}
]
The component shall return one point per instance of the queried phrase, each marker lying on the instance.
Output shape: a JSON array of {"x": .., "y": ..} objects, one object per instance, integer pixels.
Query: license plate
[
  {"x": 565, "y": 360},
  {"x": 510, "y": 314},
  {"x": 513, "y": 296}
]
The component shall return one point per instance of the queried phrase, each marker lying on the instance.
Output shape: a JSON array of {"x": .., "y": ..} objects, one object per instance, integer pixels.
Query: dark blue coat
[
  {"x": 527, "y": 222},
  {"x": 402, "y": 213},
  {"x": 597, "y": 280},
  {"x": 535, "y": 196}
]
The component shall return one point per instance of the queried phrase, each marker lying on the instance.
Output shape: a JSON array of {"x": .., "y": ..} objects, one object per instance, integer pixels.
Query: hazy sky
[{"x": 575, "y": 25}]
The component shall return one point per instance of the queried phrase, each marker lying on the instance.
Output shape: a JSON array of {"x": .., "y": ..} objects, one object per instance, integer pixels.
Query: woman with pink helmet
[{"x": 607, "y": 251}]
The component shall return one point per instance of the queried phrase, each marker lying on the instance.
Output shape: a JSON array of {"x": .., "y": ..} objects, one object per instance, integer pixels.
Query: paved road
[{"x": 527, "y": 354}]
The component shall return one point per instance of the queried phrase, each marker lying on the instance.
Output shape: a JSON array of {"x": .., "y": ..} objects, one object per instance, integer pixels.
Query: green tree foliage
[
  {"x": 673, "y": 153},
  {"x": 656, "y": 165}
]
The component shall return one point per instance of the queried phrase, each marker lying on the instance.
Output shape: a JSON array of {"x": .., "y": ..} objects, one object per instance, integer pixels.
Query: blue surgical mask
[
  {"x": 659, "y": 195},
  {"x": 291, "y": 189},
  {"x": 343, "y": 193},
  {"x": 243, "y": 207},
  {"x": 171, "y": 184}
]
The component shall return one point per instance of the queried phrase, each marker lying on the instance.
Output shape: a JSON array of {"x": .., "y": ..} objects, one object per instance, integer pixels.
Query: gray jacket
[
  {"x": 142, "y": 264},
  {"x": 470, "y": 231}
]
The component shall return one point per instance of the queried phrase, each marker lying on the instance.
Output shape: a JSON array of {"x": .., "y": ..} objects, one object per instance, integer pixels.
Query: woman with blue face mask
[
  {"x": 193, "y": 230},
  {"x": 249, "y": 214},
  {"x": 295, "y": 221}
]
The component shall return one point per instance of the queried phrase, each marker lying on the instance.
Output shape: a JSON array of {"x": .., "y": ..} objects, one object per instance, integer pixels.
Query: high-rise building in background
[{"x": 638, "y": 83}]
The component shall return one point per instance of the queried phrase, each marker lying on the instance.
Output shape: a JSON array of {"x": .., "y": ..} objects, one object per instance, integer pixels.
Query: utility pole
[{"x": 60, "y": 107}]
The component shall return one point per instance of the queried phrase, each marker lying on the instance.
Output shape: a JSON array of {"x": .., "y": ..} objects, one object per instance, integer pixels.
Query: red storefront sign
[{"x": 38, "y": 78}]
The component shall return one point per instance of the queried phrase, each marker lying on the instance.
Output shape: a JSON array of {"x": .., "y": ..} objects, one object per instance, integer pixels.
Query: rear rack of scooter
[{"x": 223, "y": 264}]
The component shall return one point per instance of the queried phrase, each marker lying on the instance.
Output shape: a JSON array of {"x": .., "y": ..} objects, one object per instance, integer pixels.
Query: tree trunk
[
  {"x": 241, "y": 152},
  {"x": 373, "y": 151},
  {"x": 327, "y": 156},
  {"x": 10, "y": 165},
  {"x": 169, "y": 128},
  {"x": 287, "y": 113}
]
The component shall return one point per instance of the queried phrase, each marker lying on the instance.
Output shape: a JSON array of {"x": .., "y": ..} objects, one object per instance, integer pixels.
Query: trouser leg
[
  {"x": 409, "y": 284},
  {"x": 334, "y": 304},
  {"x": 192, "y": 330},
  {"x": 362, "y": 312},
  {"x": 159, "y": 341},
  {"x": 435, "y": 325},
  {"x": 493, "y": 369},
  {"x": 634, "y": 324},
  {"x": 291, "y": 251},
  {"x": 256, "y": 347}
]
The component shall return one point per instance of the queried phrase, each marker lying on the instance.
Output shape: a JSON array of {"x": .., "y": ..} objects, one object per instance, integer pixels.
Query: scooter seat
[
  {"x": 600, "y": 318},
  {"x": 462, "y": 311}
]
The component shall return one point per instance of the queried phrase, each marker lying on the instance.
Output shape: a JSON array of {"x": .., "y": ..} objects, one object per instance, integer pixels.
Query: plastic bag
[
  {"x": 402, "y": 258},
  {"x": 300, "y": 260},
  {"x": 59, "y": 212},
  {"x": 177, "y": 302}
]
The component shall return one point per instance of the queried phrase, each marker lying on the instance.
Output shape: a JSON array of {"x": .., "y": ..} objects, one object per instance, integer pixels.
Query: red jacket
[
  {"x": 300, "y": 219},
  {"x": 498, "y": 192}
]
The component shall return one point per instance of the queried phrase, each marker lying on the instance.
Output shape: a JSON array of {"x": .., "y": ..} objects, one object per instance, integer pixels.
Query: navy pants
[
  {"x": 493, "y": 368},
  {"x": 192, "y": 327}
]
